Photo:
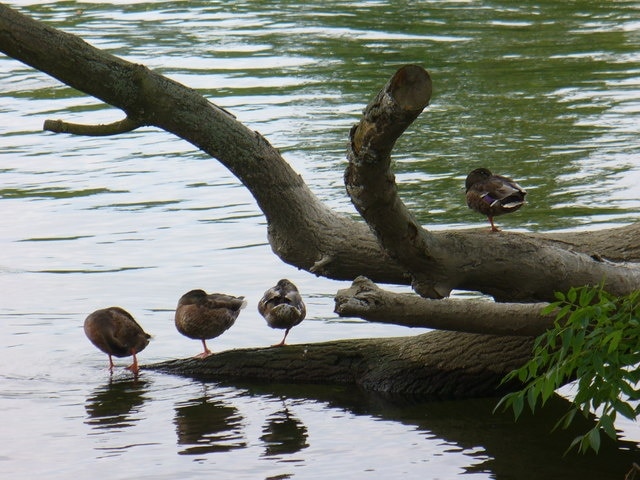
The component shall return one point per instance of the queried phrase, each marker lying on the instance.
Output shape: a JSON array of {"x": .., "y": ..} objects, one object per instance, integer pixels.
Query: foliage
[{"x": 596, "y": 341}]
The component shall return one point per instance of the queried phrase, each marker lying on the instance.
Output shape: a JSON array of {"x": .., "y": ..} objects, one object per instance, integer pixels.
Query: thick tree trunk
[
  {"x": 305, "y": 233},
  {"x": 432, "y": 365}
]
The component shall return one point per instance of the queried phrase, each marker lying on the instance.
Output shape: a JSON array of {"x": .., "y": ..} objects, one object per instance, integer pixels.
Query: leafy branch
[{"x": 595, "y": 340}]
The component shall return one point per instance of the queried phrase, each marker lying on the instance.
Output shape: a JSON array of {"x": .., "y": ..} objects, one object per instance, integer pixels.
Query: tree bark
[
  {"x": 431, "y": 365},
  {"x": 491, "y": 263},
  {"x": 366, "y": 300},
  {"x": 307, "y": 234},
  {"x": 302, "y": 230}
]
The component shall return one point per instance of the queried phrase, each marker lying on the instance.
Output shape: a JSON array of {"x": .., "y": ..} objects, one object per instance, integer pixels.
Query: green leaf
[
  {"x": 608, "y": 427},
  {"x": 532, "y": 396},
  {"x": 518, "y": 405},
  {"x": 613, "y": 339},
  {"x": 597, "y": 342},
  {"x": 593, "y": 438},
  {"x": 565, "y": 420},
  {"x": 624, "y": 409},
  {"x": 577, "y": 442},
  {"x": 549, "y": 309},
  {"x": 548, "y": 388},
  {"x": 586, "y": 296}
]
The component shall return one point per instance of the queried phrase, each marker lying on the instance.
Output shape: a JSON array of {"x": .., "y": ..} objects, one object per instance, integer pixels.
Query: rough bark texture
[
  {"x": 435, "y": 364},
  {"x": 302, "y": 230},
  {"x": 492, "y": 263},
  {"x": 365, "y": 300},
  {"x": 305, "y": 233}
]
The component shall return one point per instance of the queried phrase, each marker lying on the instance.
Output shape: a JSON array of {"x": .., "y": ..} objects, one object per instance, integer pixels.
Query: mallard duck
[
  {"x": 493, "y": 195},
  {"x": 282, "y": 307},
  {"x": 114, "y": 331},
  {"x": 203, "y": 316}
]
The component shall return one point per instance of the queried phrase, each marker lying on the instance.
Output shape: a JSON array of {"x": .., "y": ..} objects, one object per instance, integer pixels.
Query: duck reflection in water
[
  {"x": 283, "y": 433},
  {"x": 204, "y": 426},
  {"x": 116, "y": 404}
]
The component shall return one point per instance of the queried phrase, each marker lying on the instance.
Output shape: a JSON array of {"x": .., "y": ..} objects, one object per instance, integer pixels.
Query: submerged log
[{"x": 436, "y": 364}]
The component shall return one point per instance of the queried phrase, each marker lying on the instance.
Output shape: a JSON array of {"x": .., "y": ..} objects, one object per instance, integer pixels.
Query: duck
[
  {"x": 114, "y": 331},
  {"x": 282, "y": 307},
  {"x": 203, "y": 316},
  {"x": 493, "y": 195}
]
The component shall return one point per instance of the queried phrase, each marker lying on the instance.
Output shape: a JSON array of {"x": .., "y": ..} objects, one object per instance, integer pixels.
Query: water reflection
[
  {"x": 116, "y": 405},
  {"x": 205, "y": 425},
  {"x": 547, "y": 92},
  {"x": 283, "y": 433},
  {"x": 493, "y": 443}
]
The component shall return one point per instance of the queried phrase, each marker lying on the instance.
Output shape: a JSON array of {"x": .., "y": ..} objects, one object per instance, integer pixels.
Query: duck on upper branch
[{"x": 493, "y": 195}]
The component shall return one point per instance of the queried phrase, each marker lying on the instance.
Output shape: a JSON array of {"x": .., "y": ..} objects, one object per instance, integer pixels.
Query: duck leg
[
  {"x": 206, "y": 351},
  {"x": 134, "y": 366},
  {"x": 281, "y": 344},
  {"x": 493, "y": 227},
  {"x": 111, "y": 365}
]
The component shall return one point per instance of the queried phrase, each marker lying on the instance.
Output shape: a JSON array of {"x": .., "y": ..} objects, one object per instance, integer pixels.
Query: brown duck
[
  {"x": 493, "y": 195},
  {"x": 203, "y": 316},
  {"x": 282, "y": 307},
  {"x": 114, "y": 331}
]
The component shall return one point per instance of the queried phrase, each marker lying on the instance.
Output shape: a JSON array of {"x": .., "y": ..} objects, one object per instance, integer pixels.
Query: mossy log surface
[{"x": 422, "y": 365}]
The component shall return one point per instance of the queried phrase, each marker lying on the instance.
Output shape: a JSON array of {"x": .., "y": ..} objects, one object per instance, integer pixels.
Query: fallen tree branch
[
  {"x": 302, "y": 230},
  {"x": 509, "y": 266},
  {"x": 371, "y": 185},
  {"x": 364, "y": 299},
  {"x": 306, "y": 233},
  {"x": 101, "y": 130},
  {"x": 431, "y": 365}
]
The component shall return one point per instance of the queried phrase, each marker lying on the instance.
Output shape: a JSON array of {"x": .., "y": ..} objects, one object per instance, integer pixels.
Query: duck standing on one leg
[
  {"x": 282, "y": 307},
  {"x": 114, "y": 331},
  {"x": 203, "y": 316},
  {"x": 493, "y": 195}
]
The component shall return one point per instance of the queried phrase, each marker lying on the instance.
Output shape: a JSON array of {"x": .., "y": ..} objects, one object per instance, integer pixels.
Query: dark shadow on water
[
  {"x": 501, "y": 447},
  {"x": 206, "y": 425},
  {"x": 116, "y": 404},
  {"x": 283, "y": 433}
]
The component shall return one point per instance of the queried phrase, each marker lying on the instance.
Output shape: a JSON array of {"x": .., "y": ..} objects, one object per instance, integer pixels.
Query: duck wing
[
  {"x": 221, "y": 300},
  {"x": 125, "y": 333},
  {"x": 503, "y": 191}
]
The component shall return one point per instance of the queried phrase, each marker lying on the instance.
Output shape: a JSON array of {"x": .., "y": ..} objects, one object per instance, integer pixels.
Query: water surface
[{"x": 546, "y": 92}]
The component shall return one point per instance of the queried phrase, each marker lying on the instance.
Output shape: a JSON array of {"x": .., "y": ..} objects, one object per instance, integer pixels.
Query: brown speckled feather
[
  {"x": 203, "y": 316},
  {"x": 114, "y": 331},
  {"x": 282, "y": 307},
  {"x": 493, "y": 195}
]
